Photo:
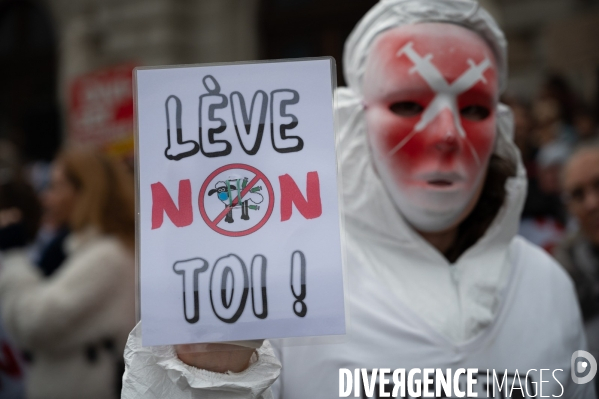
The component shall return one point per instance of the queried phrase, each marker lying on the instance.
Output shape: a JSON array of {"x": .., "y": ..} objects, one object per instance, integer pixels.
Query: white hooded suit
[{"x": 504, "y": 305}]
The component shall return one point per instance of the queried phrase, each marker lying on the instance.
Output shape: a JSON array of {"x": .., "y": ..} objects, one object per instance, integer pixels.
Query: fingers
[{"x": 220, "y": 359}]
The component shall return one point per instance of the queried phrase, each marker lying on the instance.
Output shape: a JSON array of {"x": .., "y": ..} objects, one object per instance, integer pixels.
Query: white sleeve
[{"x": 156, "y": 372}]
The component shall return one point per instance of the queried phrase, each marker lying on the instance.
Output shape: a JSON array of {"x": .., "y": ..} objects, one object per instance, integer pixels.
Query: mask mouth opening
[
  {"x": 440, "y": 183},
  {"x": 442, "y": 180}
]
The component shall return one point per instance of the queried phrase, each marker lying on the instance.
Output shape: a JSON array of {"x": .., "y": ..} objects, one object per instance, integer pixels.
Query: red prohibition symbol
[{"x": 231, "y": 202}]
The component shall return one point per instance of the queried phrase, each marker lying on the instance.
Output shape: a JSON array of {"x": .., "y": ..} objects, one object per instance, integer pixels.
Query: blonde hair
[{"x": 106, "y": 198}]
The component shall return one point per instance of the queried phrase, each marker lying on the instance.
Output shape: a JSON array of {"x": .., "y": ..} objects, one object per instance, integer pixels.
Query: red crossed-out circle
[{"x": 213, "y": 223}]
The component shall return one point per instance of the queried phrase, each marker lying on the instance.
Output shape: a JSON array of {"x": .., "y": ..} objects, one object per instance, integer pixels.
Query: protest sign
[
  {"x": 239, "y": 226},
  {"x": 101, "y": 109}
]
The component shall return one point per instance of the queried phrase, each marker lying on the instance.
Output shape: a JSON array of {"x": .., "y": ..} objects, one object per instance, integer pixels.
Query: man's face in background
[{"x": 581, "y": 188}]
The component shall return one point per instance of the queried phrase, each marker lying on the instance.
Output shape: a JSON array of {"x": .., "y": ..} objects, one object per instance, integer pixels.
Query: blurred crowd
[
  {"x": 558, "y": 136},
  {"x": 547, "y": 132},
  {"x": 67, "y": 273}
]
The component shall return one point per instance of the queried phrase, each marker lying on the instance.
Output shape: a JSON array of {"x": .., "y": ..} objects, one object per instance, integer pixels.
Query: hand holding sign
[
  {"x": 219, "y": 358},
  {"x": 239, "y": 217}
]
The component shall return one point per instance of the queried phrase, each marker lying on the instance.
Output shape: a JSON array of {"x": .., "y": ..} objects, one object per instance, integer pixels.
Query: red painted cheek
[
  {"x": 481, "y": 135},
  {"x": 388, "y": 130},
  {"x": 412, "y": 154},
  {"x": 413, "y": 151}
]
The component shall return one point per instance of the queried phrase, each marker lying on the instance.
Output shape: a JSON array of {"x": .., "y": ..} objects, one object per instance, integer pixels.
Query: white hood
[{"x": 457, "y": 299}]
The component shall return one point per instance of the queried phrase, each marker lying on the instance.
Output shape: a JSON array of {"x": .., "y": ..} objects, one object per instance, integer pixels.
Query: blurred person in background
[
  {"x": 554, "y": 111},
  {"x": 556, "y": 87},
  {"x": 51, "y": 251},
  {"x": 579, "y": 253},
  {"x": 75, "y": 322},
  {"x": 20, "y": 215},
  {"x": 20, "y": 210},
  {"x": 523, "y": 126},
  {"x": 544, "y": 217},
  {"x": 549, "y": 125},
  {"x": 585, "y": 124}
]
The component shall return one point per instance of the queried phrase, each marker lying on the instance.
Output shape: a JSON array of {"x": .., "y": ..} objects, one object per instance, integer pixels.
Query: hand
[{"x": 218, "y": 358}]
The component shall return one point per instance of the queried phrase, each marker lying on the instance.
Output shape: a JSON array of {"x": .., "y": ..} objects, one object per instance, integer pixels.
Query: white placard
[{"x": 238, "y": 203}]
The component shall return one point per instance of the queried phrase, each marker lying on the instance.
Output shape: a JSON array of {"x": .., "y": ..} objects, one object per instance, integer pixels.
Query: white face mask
[{"x": 430, "y": 92}]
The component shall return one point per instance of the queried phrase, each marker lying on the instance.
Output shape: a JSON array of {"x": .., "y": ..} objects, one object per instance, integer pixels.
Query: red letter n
[
  {"x": 162, "y": 202},
  {"x": 291, "y": 194}
]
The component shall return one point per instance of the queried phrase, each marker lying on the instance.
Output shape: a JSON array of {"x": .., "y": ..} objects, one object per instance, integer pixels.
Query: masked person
[{"x": 433, "y": 189}]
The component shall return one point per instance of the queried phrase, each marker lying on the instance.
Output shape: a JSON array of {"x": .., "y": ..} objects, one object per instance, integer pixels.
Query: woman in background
[{"x": 75, "y": 323}]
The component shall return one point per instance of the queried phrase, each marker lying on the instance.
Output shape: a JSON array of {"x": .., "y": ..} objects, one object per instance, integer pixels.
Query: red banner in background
[{"x": 101, "y": 109}]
